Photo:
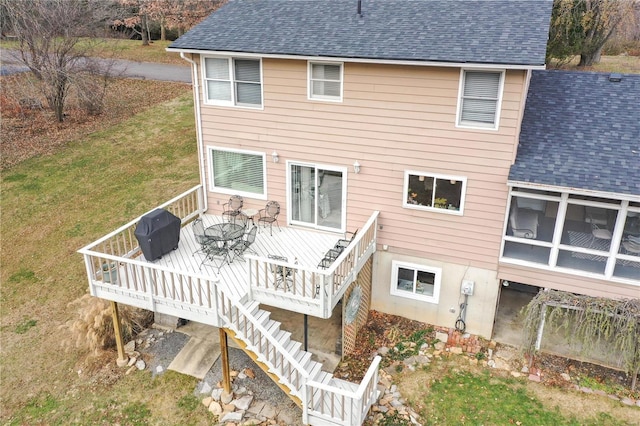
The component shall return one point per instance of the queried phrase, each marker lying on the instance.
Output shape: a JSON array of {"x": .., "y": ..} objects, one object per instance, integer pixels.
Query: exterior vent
[{"x": 615, "y": 77}]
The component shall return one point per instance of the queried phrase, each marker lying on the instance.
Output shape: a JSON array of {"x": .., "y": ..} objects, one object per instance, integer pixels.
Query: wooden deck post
[
  {"x": 122, "y": 358},
  {"x": 224, "y": 354}
]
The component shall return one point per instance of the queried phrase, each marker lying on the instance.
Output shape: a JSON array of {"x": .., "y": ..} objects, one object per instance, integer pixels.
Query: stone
[
  {"x": 207, "y": 401},
  {"x": 627, "y": 401},
  {"x": 216, "y": 394},
  {"x": 243, "y": 403},
  {"x": 159, "y": 369},
  {"x": 439, "y": 346},
  {"x": 287, "y": 417},
  {"x": 225, "y": 397},
  {"x": 228, "y": 407},
  {"x": 383, "y": 351},
  {"x": 251, "y": 422},
  {"x": 566, "y": 377},
  {"x": 130, "y": 370},
  {"x": 268, "y": 411},
  {"x": 215, "y": 408},
  {"x": 586, "y": 390},
  {"x": 241, "y": 375},
  {"x": 382, "y": 409},
  {"x": 534, "y": 378},
  {"x": 132, "y": 361},
  {"x": 234, "y": 416},
  {"x": 614, "y": 397},
  {"x": 205, "y": 388},
  {"x": 456, "y": 350},
  {"x": 250, "y": 373},
  {"x": 515, "y": 374},
  {"x": 442, "y": 337},
  {"x": 256, "y": 407},
  {"x": 525, "y": 369},
  {"x": 638, "y": 402},
  {"x": 130, "y": 346},
  {"x": 600, "y": 392}
]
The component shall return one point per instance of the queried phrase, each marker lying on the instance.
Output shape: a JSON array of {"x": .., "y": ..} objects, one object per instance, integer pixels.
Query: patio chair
[
  {"x": 598, "y": 232},
  {"x": 343, "y": 242},
  {"x": 524, "y": 223},
  {"x": 244, "y": 244},
  {"x": 217, "y": 254},
  {"x": 233, "y": 208},
  {"x": 198, "y": 232},
  {"x": 282, "y": 273},
  {"x": 269, "y": 215}
]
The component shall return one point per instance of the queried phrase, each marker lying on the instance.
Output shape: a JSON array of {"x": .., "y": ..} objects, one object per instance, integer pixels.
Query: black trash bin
[{"x": 158, "y": 233}]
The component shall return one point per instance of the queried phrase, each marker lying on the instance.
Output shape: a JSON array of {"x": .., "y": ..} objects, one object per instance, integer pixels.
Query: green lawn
[{"x": 52, "y": 206}]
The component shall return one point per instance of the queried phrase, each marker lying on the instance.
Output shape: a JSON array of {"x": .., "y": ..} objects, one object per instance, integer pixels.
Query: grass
[
  {"x": 52, "y": 205},
  {"x": 447, "y": 394}
]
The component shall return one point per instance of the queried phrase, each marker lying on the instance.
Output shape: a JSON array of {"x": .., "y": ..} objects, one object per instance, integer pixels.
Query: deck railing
[
  {"x": 340, "y": 406},
  {"x": 114, "y": 274},
  {"x": 316, "y": 287}
]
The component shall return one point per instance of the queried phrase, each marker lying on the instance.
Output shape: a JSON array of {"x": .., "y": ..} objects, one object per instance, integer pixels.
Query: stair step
[
  {"x": 315, "y": 370},
  {"x": 293, "y": 346}
]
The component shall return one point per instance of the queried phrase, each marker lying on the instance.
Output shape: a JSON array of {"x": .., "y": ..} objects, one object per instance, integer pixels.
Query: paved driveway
[{"x": 10, "y": 64}]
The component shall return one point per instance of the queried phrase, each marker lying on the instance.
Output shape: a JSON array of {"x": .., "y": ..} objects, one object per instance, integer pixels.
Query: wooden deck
[
  {"x": 179, "y": 284},
  {"x": 301, "y": 245}
]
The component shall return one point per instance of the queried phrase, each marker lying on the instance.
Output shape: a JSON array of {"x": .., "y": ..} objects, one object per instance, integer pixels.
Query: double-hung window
[
  {"x": 325, "y": 81},
  {"x": 415, "y": 281},
  {"x": 480, "y": 98},
  {"x": 233, "y": 81},
  {"x": 238, "y": 172},
  {"x": 442, "y": 193}
]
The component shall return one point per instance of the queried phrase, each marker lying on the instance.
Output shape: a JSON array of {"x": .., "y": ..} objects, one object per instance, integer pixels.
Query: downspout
[{"x": 201, "y": 151}]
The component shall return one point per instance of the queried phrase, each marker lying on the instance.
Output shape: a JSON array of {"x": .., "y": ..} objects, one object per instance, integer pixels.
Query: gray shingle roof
[
  {"x": 581, "y": 131},
  {"x": 512, "y": 32}
]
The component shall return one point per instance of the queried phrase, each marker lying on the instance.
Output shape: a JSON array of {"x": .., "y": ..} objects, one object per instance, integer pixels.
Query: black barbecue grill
[{"x": 158, "y": 233}]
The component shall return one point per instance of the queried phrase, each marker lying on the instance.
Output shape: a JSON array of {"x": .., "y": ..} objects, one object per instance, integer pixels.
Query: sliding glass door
[{"x": 317, "y": 196}]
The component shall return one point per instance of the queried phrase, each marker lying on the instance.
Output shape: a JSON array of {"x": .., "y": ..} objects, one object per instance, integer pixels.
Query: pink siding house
[{"x": 431, "y": 129}]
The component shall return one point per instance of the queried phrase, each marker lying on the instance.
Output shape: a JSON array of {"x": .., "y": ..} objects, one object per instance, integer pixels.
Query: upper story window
[
  {"x": 441, "y": 193},
  {"x": 238, "y": 172},
  {"x": 415, "y": 281},
  {"x": 325, "y": 81},
  {"x": 479, "y": 100},
  {"x": 232, "y": 81}
]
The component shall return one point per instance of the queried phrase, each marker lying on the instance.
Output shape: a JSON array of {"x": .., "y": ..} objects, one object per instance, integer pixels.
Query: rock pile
[{"x": 239, "y": 408}]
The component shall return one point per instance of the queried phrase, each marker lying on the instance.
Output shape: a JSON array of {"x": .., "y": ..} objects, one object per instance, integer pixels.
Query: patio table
[{"x": 222, "y": 234}]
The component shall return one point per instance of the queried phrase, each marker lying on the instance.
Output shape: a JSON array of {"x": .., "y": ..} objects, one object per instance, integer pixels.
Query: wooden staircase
[{"x": 324, "y": 399}]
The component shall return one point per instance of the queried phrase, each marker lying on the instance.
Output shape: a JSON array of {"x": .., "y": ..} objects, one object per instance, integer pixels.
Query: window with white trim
[
  {"x": 416, "y": 282},
  {"x": 232, "y": 81},
  {"x": 238, "y": 172},
  {"x": 325, "y": 81},
  {"x": 480, "y": 97},
  {"x": 425, "y": 191}
]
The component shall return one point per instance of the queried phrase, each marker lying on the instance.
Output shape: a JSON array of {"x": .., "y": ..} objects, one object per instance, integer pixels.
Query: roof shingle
[
  {"x": 463, "y": 31},
  {"x": 581, "y": 130}
]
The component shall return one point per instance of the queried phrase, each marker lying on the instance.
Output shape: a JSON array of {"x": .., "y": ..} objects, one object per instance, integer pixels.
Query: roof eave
[
  {"x": 362, "y": 60},
  {"x": 573, "y": 190}
]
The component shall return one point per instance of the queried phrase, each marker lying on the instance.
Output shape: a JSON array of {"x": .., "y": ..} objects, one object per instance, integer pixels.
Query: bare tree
[
  {"x": 52, "y": 44},
  {"x": 582, "y": 27}
]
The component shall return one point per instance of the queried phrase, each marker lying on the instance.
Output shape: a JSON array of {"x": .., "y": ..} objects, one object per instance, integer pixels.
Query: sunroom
[{"x": 572, "y": 232}]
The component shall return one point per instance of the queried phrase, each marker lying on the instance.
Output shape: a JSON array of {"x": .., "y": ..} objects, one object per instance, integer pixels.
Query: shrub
[{"x": 93, "y": 328}]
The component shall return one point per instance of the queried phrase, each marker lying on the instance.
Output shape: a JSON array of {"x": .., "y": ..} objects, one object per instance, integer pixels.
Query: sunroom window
[
  {"x": 479, "y": 101},
  {"x": 574, "y": 233},
  {"x": 325, "y": 81},
  {"x": 238, "y": 172},
  {"x": 434, "y": 192},
  {"x": 415, "y": 281},
  {"x": 231, "y": 81}
]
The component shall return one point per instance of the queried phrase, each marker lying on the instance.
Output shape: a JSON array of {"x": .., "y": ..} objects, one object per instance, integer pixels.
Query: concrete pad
[{"x": 196, "y": 358}]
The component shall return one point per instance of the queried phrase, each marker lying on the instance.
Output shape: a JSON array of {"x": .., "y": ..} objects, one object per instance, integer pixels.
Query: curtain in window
[
  {"x": 317, "y": 196},
  {"x": 480, "y": 96},
  {"x": 217, "y": 77},
  {"x": 238, "y": 171},
  {"x": 325, "y": 80},
  {"x": 247, "y": 77}
]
